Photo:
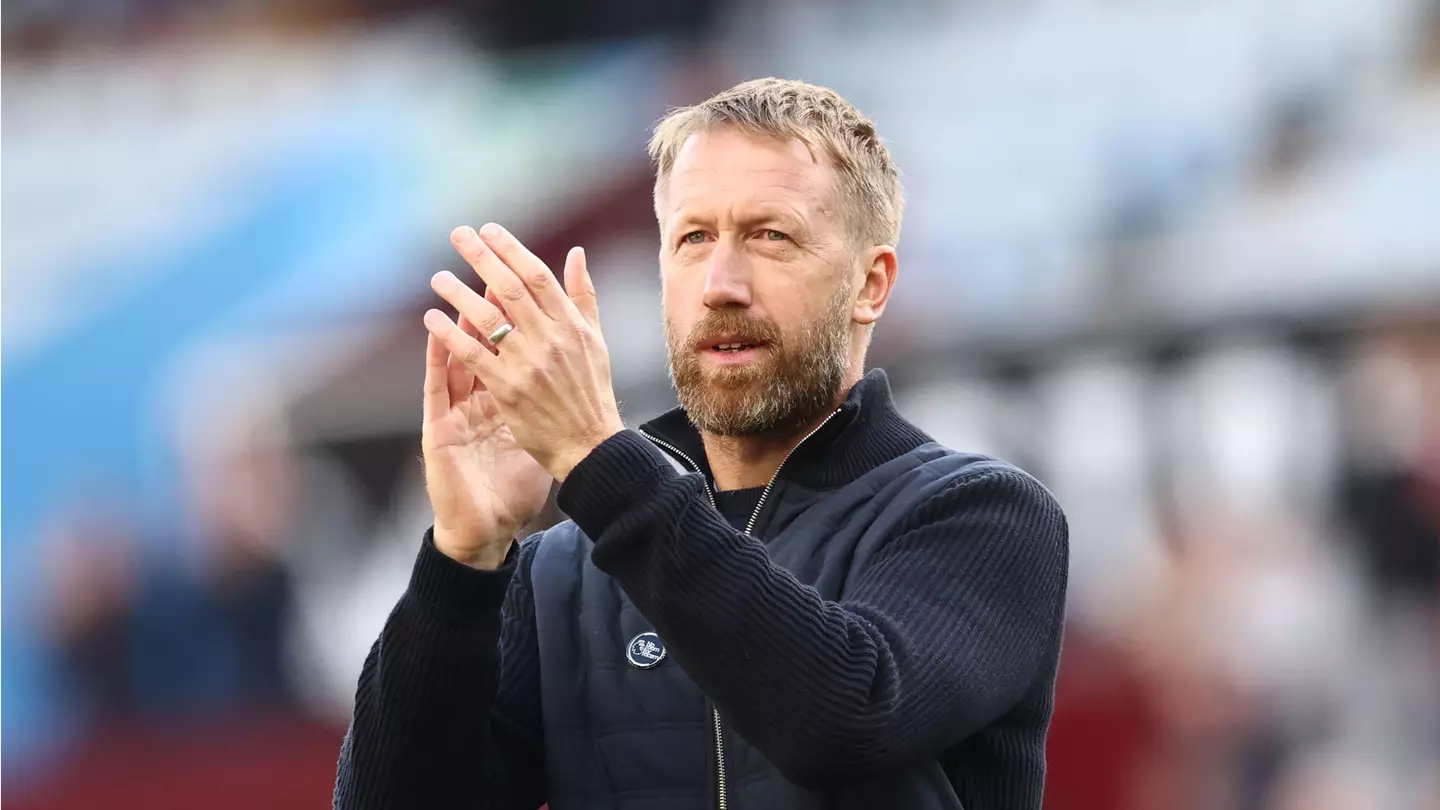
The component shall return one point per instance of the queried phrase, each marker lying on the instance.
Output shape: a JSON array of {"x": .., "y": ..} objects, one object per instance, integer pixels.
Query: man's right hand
[{"x": 483, "y": 486}]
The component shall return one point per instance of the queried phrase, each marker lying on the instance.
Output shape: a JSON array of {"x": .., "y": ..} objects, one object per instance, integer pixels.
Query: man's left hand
[{"x": 550, "y": 376}]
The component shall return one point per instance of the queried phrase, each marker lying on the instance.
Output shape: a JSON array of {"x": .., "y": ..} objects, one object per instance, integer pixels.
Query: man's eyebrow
[
  {"x": 681, "y": 219},
  {"x": 770, "y": 221},
  {"x": 749, "y": 215},
  {"x": 773, "y": 214}
]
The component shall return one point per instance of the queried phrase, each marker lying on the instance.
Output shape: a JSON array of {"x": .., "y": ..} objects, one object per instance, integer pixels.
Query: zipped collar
[{"x": 866, "y": 432}]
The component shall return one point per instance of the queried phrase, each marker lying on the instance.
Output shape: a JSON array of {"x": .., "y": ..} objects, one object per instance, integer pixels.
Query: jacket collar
[{"x": 866, "y": 432}]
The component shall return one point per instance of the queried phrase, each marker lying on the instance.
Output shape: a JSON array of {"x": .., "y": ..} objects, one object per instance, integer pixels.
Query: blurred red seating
[{"x": 272, "y": 761}]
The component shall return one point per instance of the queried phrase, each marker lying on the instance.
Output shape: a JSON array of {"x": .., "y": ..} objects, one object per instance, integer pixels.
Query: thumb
[{"x": 579, "y": 286}]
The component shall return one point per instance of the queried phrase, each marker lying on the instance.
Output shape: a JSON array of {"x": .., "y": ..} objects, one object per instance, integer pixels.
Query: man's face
[{"x": 756, "y": 273}]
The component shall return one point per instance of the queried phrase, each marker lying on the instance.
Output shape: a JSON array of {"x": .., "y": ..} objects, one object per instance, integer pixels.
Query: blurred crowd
[
  {"x": 1215, "y": 335},
  {"x": 189, "y": 617},
  {"x": 1284, "y": 649}
]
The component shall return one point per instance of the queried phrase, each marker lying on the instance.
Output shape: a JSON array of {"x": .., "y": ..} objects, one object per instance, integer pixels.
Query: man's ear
[{"x": 879, "y": 266}]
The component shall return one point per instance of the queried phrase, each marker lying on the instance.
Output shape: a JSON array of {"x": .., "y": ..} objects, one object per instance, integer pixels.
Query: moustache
[{"x": 736, "y": 322}]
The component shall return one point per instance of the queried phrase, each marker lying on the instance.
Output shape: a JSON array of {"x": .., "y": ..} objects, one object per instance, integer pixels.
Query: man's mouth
[
  {"x": 731, "y": 348},
  {"x": 729, "y": 342}
]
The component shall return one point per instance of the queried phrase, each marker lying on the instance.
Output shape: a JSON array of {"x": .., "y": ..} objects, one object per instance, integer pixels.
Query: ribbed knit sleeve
[
  {"x": 949, "y": 627},
  {"x": 438, "y": 722}
]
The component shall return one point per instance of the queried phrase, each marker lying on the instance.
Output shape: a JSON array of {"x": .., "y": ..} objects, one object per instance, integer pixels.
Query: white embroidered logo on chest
[{"x": 645, "y": 651}]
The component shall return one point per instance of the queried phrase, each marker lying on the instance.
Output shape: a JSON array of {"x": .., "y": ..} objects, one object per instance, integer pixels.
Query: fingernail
[
  {"x": 440, "y": 278},
  {"x": 492, "y": 230},
  {"x": 464, "y": 233},
  {"x": 434, "y": 317}
]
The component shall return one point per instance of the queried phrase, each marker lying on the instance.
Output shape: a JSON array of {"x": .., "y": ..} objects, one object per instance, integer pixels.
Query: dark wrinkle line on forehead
[
  {"x": 796, "y": 186},
  {"x": 759, "y": 199},
  {"x": 788, "y": 178},
  {"x": 799, "y": 199},
  {"x": 813, "y": 161}
]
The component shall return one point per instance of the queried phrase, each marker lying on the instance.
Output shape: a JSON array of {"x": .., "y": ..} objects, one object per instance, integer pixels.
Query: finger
[
  {"x": 460, "y": 381},
  {"x": 519, "y": 302},
  {"x": 470, "y": 305},
  {"x": 463, "y": 381},
  {"x": 460, "y": 378},
  {"x": 495, "y": 300},
  {"x": 461, "y": 346},
  {"x": 437, "y": 393},
  {"x": 580, "y": 287},
  {"x": 533, "y": 273},
  {"x": 474, "y": 331}
]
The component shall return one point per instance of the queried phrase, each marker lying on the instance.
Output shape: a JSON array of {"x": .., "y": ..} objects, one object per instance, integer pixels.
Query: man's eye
[
  {"x": 776, "y": 236},
  {"x": 693, "y": 238}
]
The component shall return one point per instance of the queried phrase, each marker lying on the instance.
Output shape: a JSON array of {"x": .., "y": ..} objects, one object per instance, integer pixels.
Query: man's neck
[{"x": 741, "y": 462}]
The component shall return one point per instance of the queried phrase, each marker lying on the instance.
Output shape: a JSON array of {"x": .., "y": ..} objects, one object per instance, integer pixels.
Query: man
[{"x": 781, "y": 595}]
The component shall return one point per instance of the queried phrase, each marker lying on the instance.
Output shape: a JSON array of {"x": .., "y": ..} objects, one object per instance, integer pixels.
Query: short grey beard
[{"x": 807, "y": 374}]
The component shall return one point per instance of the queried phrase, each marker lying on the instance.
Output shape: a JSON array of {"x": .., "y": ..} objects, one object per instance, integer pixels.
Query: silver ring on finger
[{"x": 499, "y": 334}]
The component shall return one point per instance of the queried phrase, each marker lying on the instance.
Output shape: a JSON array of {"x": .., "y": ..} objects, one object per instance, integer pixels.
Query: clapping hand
[{"x": 549, "y": 377}]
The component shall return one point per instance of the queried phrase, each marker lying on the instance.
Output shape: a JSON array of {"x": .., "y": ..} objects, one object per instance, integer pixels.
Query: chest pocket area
[{"x": 650, "y": 723}]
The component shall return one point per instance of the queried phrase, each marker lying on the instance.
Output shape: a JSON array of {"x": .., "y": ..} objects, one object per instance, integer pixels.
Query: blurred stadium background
[{"x": 1181, "y": 260}]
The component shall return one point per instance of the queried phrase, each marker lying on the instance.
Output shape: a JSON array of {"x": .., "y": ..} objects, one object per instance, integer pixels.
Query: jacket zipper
[
  {"x": 750, "y": 527},
  {"x": 675, "y": 451},
  {"x": 721, "y": 793}
]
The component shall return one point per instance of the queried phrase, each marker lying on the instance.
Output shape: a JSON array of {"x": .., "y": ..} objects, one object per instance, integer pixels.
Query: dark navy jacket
[{"x": 882, "y": 629}]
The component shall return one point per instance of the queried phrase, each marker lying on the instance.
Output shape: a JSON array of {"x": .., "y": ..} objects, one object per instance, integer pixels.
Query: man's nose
[{"x": 727, "y": 279}]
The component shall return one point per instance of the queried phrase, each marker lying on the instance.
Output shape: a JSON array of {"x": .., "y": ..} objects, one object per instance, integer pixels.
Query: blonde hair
[{"x": 820, "y": 118}]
